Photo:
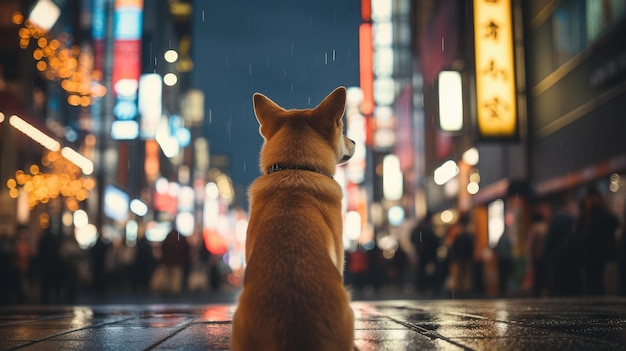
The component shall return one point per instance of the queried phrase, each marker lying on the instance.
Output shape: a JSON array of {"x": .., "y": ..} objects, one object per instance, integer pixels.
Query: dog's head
[{"x": 311, "y": 137}]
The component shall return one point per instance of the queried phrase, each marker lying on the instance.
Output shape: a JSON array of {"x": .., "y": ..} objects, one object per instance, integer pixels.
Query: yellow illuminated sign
[{"x": 495, "y": 74}]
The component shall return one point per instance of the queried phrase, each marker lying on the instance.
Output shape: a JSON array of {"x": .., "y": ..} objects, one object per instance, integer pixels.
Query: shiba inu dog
[{"x": 293, "y": 296}]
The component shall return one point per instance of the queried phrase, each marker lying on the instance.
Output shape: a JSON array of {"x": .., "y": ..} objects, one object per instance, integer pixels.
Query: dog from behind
[{"x": 293, "y": 297}]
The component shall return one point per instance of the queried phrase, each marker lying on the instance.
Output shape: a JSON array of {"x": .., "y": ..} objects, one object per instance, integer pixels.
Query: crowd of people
[
  {"x": 56, "y": 270},
  {"x": 570, "y": 248},
  {"x": 570, "y": 252}
]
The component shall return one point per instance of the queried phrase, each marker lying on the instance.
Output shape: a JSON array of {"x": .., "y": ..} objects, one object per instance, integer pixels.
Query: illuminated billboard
[
  {"x": 127, "y": 28},
  {"x": 150, "y": 101},
  {"x": 495, "y": 69}
]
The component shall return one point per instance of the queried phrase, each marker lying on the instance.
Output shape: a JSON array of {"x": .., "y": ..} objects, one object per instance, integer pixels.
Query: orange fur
[{"x": 293, "y": 296}]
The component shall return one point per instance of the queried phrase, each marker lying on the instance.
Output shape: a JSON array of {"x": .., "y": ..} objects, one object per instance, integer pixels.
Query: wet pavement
[{"x": 513, "y": 324}]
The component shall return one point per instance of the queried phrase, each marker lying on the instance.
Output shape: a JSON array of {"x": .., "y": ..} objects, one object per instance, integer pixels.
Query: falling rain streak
[{"x": 229, "y": 127}]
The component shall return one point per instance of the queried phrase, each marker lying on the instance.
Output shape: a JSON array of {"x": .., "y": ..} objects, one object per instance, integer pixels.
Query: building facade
[{"x": 569, "y": 81}]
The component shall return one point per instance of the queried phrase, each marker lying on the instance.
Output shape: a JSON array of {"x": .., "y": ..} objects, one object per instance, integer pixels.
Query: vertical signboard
[
  {"x": 450, "y": 88},
  {"x": 150, "y": 104},
  {"x": 127, "y": 28},
  {"x": 495, "y": 69},
  {"x": 98, "y": 23},
  {"x": 366, "y": 64}
]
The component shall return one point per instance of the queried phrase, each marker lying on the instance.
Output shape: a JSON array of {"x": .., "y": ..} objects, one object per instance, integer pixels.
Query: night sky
[{"x": 295, "y": 52}]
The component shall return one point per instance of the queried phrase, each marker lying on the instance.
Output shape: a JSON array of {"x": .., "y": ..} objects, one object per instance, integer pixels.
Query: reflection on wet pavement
[{"x": 546, "y": 324}]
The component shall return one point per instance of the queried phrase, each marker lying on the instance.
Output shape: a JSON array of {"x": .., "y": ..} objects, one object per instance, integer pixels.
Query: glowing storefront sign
[
  {"x": 150, "y": 101},
  {"x": 495, "y": 75},
  {"x": 392, "y": 178},
  {"x": 450, "y": 101},
  {"x": 383, "y": 67},
  {"x": 356, "y": 130},
  {"x": 127, "y": 27}
]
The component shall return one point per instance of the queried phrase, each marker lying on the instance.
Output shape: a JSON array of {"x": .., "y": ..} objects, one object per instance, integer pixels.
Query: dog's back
[{"x": 294, "y": 298}]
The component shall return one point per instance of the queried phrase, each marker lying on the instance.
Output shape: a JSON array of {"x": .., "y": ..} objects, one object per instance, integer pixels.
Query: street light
[{"x": 45, "y": 14}]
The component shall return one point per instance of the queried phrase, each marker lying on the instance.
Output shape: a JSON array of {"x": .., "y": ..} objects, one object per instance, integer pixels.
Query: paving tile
[
  {"x": 548, "y": 343},
  {"x": 26, "y": 333},
  {"x": 523, "y": 324},
  {"x": 221, "y": 313},
  {"x": 377, "y": 324},
  {"x": 109, "y": 338},
  {"x": 487, "y": 328},
  {"x": 10, "y": 344},
  {"x": 41, "y": 329},
  {"x": 378, "y": 345},
  {"x": 200, "y": 336}
]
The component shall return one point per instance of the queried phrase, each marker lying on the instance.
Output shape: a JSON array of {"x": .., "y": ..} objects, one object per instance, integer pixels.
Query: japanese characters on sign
[{"x": 495, "y": 75}]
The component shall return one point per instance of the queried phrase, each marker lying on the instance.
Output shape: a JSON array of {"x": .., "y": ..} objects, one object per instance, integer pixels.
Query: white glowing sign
[{"x": 450, "y": 101}]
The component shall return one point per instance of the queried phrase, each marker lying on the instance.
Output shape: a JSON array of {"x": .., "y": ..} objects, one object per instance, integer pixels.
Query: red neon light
[
  {"x": 366, "y": 67},
  {"x": 366, "y": 10},
  {"x": 152, "y": 165},
  {"x": 127, "y": 58}
]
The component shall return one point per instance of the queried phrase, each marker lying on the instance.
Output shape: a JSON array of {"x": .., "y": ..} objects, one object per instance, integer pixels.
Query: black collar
[{"x": 277, "y": 167}]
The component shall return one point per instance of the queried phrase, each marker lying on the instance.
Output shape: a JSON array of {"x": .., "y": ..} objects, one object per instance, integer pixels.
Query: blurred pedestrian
[
  {"x": 6, "y": 272},
  {"x": 448, "y": 267},
  {"x": 462, "y": 258},
  {"x": 504, "y": 254},
  {"x": 425, "y": 242},
  {"x": 144, "y": 264},
  {"x": 49, "y": 262},
  {"x": 357, "y": 268},
  {"x": 535, "y": 253},
  {"x": 9, "y": 102},
  {"x": 398, "y": 268},
  {"x": 212, "y": 262},
  {"x": 596, "y": 227},
  {"x": 168, "y": 278},
  {"x": 216, "y": 276},
  {"x": 563, "y": 254},
  {"x": 622, "y": 261},
  {"x": 98, "y": 255},
  {"x": 70, "y": 254},
  {"x": 21, "y": 255}
]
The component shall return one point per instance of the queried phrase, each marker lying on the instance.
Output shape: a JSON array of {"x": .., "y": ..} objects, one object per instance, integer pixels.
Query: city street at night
[
  {"x": 457, "y": 167},
  {"x": 513, "y": 324}
]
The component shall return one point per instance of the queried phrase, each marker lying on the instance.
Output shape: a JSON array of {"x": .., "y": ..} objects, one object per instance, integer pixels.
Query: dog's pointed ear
[
  {"x": 333, "y": 106},
  {"x": 267, "y": 113}
]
